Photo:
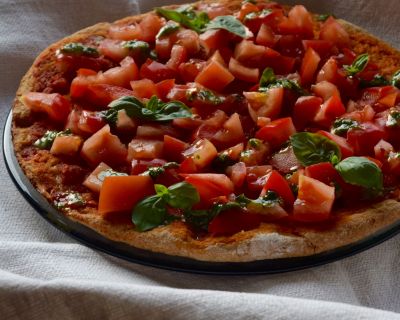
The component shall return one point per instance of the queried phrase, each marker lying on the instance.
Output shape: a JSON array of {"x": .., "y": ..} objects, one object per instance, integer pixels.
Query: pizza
[{"x": 227, "y": 131}]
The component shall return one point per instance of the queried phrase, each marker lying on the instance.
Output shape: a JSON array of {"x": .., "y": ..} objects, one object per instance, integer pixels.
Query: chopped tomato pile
[{"x": 225, "y": 119}]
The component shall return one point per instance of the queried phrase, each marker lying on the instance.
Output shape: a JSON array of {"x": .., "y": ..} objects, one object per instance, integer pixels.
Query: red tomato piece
[
  {"x": 237, "y": 174},
  {"x": 299, "y": 21},
  {"x": 314, "y": 201},
  {"x": 93, "y": 182},
  {"x": 190, "y": 70},
  {"x": 140, "y": 166},
  {"x": 249, "y": 53},
  {"x": 150, "y": 25},
  {"x": 243, "y": 73},
  {"x": 54, "y": 104},
  {"x": 202, "y": 152},
  {"x": 214, "y": 39},
  {"x": 345, "y": 148},
  {"x": 265, "y": 104},
  {"x": 210, "y": 185},
  {"x": 382, "y": 150},
  {"x": 120, "y": 194},
  {"x": 256, "y": 177},
  {"x": 103, "y": 94},
  {"x": 178, "y": 56},
  {"x": 331, "y": 109},
  {"x": 322, "y": 47},
  {"x": 309, "y": 66},
  {"x": 277, "y": 132},
  {"x": 285, "y": 160},
  {"x": 305, "y": 110},
  {"x": 164, "y": 87},
  {"x": 188, "y": 166},
  {"x": 215, "y": 76},
  {"x": 247, "y": 8},
  {"x": 145, "y": 149},
  {"x": 324, "y": 172},
  {"x": 280, "y": 63},
  {"x": 275, "y": 182},
  {"x": 156, "y": 71},
  {"x": 230, "y": 222},
  {"x": 104, "y": 147},
  {"x": 328, "y": 72},
  {"x": 125, "y": 32},
  {"x": 90, "y": 122},
  {"x": 144, "y": 88},
  {"x": 66, "y": 146},
  {"x": 266, "y": 36},
  {"x": 113, "y": 49},
  {"x": 231, "y": 132},
  {"x": 333, "y": 31},
  {"x": 365, "y": 138},
  {"x": 325, "y": 90},
  {"x": 173, "y": 148}
]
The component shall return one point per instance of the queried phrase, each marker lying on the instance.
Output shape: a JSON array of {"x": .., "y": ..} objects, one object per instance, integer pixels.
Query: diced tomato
[
  {"x": 217, "y": 9},
  {"x": 104, "y": 147},
  {"x": 150, "y": 25},
  {"x": 249, "y": 53},
  {"x": 363, "y": 115},
  {"x": 299, "y": 22},
  {"x": 331, "y": 109},
  {"x": 144, "y": 88},
  {"x": 328, "y": 72},
  {"x": 285, "y": 160},
  {"x": 156, "y": 71},
  {"x": 178, "y": 56},
  {"x": 125, "y": 32},
  {"x": 163, "y": 47},
  {"x": 188, "y": 166},
  {"x": 230, "y": 222},
  {"x": 393, "y": 163},
  {"x": 156, "y": 131},
  {"x": 268, "y": 104},
  {"x": 120, "y": 194},
  {"x": 173, "y": 148},
  {"x": 333, "y": 31},
  {"x": 189, "y": 39},
  {"x": 103, "y": 94},
  {"x": 364, "y": 139},
  {"x": 266, "y": 37},
  {"x": 281, "y": 64},
  {"x": 246, "y": 8},
  {"x": 324, "y": 172},
  {"x": 237, "y": 174},
  {"x": 140, "y": 166},
  {"x": 90, "y": 122},
  {"x": 125, "y": 124},
  {"x": 190, "y": 70},
  {"x": 113, "y": 49},
  {"x": 256, "y": 177},
  {"x": 231, "y": 132},
  {"x": 66, "y": 145},
  {"x": 243, "y": 73},
  {"x": 325, "y": 90},
  {"x": 93, "y": 182},
  {"x": 69, "y": 64},
  {"x": 390, "y": 100},
  {"x": 214, "y": 76},
  {"x": 305, "y": 110},
  {"x": 164, "y": 87},
  {"x": 382, "y": 150},
  {"x": 214, "y": 39},
  {"x": 54, "y": 104},
  {"x": 270, "y": 18},
  {"x": 309, "y": 66},
  {"x": 314, "y": 201},
  {"x": 275, "y": 182},
  {"x": 345, "y": 148},
  {"x": 383, "y": 97},
  {"x": 322, "y": 47},
  {"x": 202, "y": 152},
  {"x": 187, "y": 123},
  {"x": 277, "y": 132},
  {"x": 145, "y": 149}
]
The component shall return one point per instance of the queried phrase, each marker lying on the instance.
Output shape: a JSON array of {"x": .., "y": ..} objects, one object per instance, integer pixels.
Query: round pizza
[{"x": 225, "y": 131}]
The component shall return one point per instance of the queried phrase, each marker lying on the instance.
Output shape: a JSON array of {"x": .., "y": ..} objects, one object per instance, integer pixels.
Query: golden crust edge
[{"x": 254, "y": 245}]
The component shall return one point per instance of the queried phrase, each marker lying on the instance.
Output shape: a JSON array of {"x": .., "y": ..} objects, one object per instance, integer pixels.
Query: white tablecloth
[{"x": 46, "y": 275}]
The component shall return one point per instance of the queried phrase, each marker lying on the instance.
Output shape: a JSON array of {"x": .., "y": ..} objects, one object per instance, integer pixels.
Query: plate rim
[{"x": 90, "y": 238}]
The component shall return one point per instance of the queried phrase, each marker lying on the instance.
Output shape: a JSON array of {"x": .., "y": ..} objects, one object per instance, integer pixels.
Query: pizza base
[{"x": 269, "y": 241}]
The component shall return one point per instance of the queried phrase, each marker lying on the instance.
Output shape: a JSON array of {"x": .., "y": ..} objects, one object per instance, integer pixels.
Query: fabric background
[{"x": 46, "y": 275}]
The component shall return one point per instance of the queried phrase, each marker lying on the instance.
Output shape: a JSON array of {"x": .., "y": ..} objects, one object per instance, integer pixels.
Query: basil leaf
[
  {"x": 312, "y": 148},
  {"x": 170, "y": 27},
  {"x": 377, "y": 81},
  {"x": 324, "y": 17},
  {"x": 182, "y": 195},
  {"x": 268, "y": 80},
  {"x": 155, "y": 172},
  {"x": 396, "y": 79},
  {"x": 149, "y": 213},
  {"x": 154, "y": 110},
  {"x": 267, "y": 77},
  {"x": 342, "y": 125},
  {"x": 228, "y": 23},
  {"x": 48, "y": 138},
  {"x": 361, "y": 172},
  {"x": 393, "y": 119},
  {"x": 186, "y": 17},
  {"x": 76, "y": 48},
  {"x": 358, "y": 65},
  {"x": 204, "y": 95},
  {"x": 269, "y": 200}
]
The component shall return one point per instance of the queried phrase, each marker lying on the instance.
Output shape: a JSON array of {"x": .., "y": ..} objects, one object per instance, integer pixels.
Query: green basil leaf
[
  {"x": 149, "y": 213},
  {"x": 312, "y": 148},
  {"x": 155, "y": 172},
  {"x": 396, "y": 79},
  {"x": 204, "y": 95},
  {"x": 358, "y": 65},
  {"x": 228, "y": 23},
  {"x": 170, "y": 27},
  {"x": 155, "y": 110},
  {"x": 182, "y": 195},
  {"x": 377, "y": 81},
  {"x": 393, "y": 119},
  {"x": 324, "y": 17},
  {"x": 76, "y": 48},
  {"x": 48, "y": 138},
  {"x": 361, "y": 172},
  {"x": 186, "y": 17},
  {"x": 267, "y": 78},
  {"x": 269, "y": 200},
  {"x": 342, "y": 125}
]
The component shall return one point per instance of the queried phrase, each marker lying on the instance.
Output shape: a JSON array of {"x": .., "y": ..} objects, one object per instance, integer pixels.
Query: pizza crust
[{"x": 269, "y": 241}]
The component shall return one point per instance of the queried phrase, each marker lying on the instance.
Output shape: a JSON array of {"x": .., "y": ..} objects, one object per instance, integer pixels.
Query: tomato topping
[
  {"x": 309, "y": 66},
  {"x": 54, "y": 104},
  {"x": 202, "y": 152},
  {"x": 249, "y": 53},
  {"x": 119, "y": 194},
  {"x": 324, "y": 172},
  {"x": 277, "y": 132},
  {"x": 243, "y": 73},
  {"x": 214, "y": 76},
  {"x": 164, "y": 87},
  {"x": 330, "y": 110},
  {"x": 144, "y": 88},
  {"x": 93, "y": 182},
  {"x": 66, "y": 146},
  {"x": 267, "y": 104},
  {"x": 188, "y": 71},
  {"x": 333, "y": 31},
  {"x": 382, "y": 150},
  {"x": 305, "y": 110},
  {"x": 103, "y": 94},
  {"x": 345, "y": 148},
  {"x": 237, "y": 174},
  {"x": 275, "y": 182},
  {"x": 322, "y": 47},
  {"x": 266, "y": 36},
  {"x": 299, "y": 21},
  {"x": 314, "y": 201},
  {"x": 145, "y": 149},
  {"x": 156, "y": 71},
  {"x": 173, "y": 148},
  {"x": 364, "y": 138}
]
